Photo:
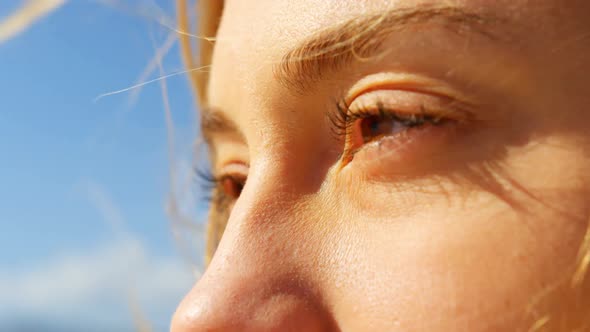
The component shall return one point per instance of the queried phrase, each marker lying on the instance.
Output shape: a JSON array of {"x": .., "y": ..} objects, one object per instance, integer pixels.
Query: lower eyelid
[{"x": 407, "y": 152}]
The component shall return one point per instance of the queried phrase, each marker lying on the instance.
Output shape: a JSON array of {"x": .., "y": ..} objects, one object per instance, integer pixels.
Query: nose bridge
[
  {"x": 262, "y": 232},
  {"x": 257, "y": 280}
]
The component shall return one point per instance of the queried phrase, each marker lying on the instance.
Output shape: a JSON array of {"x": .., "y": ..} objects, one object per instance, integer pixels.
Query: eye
[
  {"x": 232, "y": 186},
  {"x": 368, "y": 128},
  {"x": 373, "y": 126},
  {"x": 226, "y": 187},
  {"x": 362, "y": 126},
  {"x": 398, "y": 129}
]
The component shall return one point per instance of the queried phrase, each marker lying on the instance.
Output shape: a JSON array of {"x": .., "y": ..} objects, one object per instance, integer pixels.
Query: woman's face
[{"x": 408, "y": 165}]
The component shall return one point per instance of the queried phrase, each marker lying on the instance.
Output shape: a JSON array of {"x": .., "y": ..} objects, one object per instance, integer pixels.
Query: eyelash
[
  {"x": 214, "y": 185},
  {"x": 206, "y": 181},
  {"x": 343, "y": 118}
]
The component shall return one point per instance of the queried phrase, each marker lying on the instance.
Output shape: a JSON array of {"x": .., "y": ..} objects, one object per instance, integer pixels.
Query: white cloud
[
  {"x": 104, "y": 286},
  {"x": 113, "y": 286}
]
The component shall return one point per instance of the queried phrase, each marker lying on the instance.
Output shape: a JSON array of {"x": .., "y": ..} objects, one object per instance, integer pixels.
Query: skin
[{"x": 473, "y": 226}]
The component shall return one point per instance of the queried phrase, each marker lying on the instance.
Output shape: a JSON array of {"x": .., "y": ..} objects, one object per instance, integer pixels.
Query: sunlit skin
[{"x": 460, "y": 205}]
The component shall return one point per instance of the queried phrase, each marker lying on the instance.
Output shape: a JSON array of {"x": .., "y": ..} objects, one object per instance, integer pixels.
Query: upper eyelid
[
  {"x": 406, "y": 82},
  {"x": 435, "y": 100},
  {"x": 235, "y": 168}
]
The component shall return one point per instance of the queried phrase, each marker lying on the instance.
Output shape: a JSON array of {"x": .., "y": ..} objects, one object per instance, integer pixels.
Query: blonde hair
[
  {"x": 207, "y": 29},
  {"x": 562, "y": 306}
]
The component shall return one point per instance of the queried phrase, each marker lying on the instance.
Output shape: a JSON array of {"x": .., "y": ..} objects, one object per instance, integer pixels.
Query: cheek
[{"x": 453, "y": 270}]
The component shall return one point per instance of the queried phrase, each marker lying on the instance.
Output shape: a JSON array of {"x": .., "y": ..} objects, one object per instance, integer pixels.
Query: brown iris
[{"x": 232, "y": 186}]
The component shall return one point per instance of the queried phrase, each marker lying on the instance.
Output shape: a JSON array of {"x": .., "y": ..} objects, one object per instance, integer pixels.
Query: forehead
[{"x": 255, "y": 34}]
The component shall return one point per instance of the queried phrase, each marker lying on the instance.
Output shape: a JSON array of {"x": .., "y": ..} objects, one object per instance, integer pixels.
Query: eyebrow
[
  {"x": 214, "y": 121},
  {"x": 362, "y": 37},
  {"x": 336, "y": 47}
]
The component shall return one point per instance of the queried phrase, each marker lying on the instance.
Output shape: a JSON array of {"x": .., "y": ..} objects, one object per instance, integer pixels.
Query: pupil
[
  {"x": 371, "y": 127},
  {"x": 374, "y": 125}
]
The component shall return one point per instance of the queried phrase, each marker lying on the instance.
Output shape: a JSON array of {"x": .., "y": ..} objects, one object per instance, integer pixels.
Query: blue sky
[{"x": 85, "y": 182}]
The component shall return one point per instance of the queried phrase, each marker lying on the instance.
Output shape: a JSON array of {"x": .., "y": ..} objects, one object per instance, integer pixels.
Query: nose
[
  {"x": 218, "y": 304},
  {"x": 256, "y": 280}
]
